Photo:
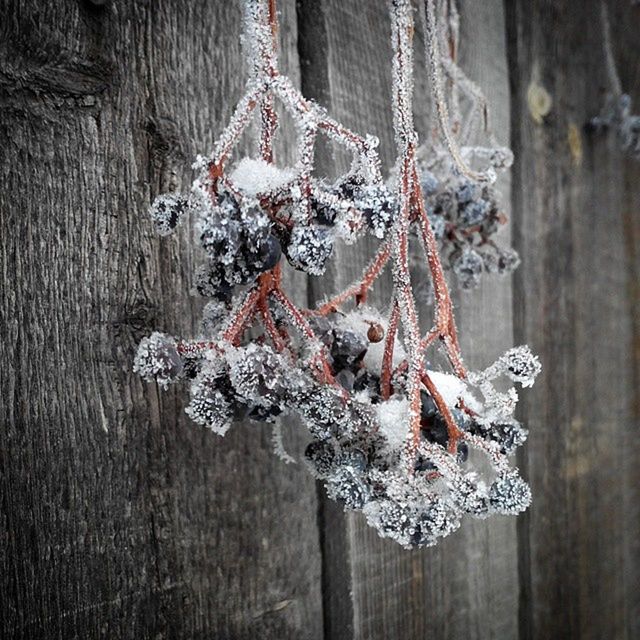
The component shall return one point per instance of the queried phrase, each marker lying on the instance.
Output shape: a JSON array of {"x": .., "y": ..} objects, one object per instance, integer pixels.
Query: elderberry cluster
[
  {"x": 339, "y": 211},
  {"x": 618, "y": 117},
  {"x": 344, "y": 375},
  {"x": 234, "y": 232},
  {"x": 358, "y": 444},
  {"x": 465, "y": 216},
  {"x": 245, "y": 227}
]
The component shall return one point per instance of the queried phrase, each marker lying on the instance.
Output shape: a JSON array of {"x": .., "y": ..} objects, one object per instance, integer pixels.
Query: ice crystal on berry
[{"x": 158, "y": 359}]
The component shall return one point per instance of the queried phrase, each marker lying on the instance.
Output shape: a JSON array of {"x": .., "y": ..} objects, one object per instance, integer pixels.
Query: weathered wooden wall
[
  {"x": 576, "y": 226},
  {"x": 118, "y": 518}
]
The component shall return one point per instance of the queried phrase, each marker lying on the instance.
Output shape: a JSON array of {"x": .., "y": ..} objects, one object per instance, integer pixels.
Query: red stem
[
  {"x": 242, "y": 318},
  {"x": 453, "y": 431},
  {"x": 360, "y": 289},
  {"x": 387, "y": 358}
]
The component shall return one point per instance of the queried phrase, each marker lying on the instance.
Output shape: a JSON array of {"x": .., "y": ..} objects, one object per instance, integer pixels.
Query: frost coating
[
  {"x": 416, "y": 448},
  {"x": 310, "y": 248},
  {"x": 158, "y": 358},
  {"x": 167, "y": 211}
]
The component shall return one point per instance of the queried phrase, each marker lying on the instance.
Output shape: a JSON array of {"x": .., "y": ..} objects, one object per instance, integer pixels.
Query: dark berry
[
  {"x": 463, "y": 451},
  {"x": 345, "y": 379},
  {"x": 436, "y": 431},
  {"x": 473, "y": 213},
  {"x": 367, "y": 381},
  {"x": 424, "y": 464},
  {"x": 393, "y": 518},
  {"x": 322, "y": 328},
  {"x": 323, "y": 214},
  {"x": 309, "y": 248},
  {"x": 350, "y": 489},
  {"x": 158, "y": 359},
  {"x": 350, "y": 186},
  {"x": 321, "y": 454},
  {"x": 428, "y": 183},
  {"x": 354, "y": 458},
  {"x": 464, "y": 193},
  {"x": 348, "y": 348},
  {"x": 468, "y": 268},
  {"x": 270, "y": 253},
  {"x": 429, "y": 408}
]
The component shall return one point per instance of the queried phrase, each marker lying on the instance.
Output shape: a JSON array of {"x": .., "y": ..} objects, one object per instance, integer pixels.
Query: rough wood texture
[
  {"x": 118, "y": 517},
  {"x": 575, "y": 221}
]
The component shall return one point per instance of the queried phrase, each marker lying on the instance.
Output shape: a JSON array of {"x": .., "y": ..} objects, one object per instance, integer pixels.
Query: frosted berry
[
  {"x": 429, "y": 183},
  {"x": 348, "y": 487},
  {"x": 509, "y": 494},
  {"x": 158, "y": 359},
  {"x": 348, "y": 348},
  {"x": 309, "y": 248},
  {"x": 211, "y": 403},
  {"x": 167, "y": 211},
  {"x": 468, "y": 268},
  {"x": 321, "y": 454},
  {"x": 354, "y": 458}
]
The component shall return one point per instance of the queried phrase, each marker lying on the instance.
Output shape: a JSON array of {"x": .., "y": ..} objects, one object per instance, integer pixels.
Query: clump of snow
[
  {"x": 255, "y": 176},
  {"x": 393, "y": 418},
  {"x": 452, "y": 388}
]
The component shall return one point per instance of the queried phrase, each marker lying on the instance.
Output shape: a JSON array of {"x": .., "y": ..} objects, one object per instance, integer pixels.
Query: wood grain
[
  {"x": 119, "y": 518},
  {"x": 579, "y": 539}
]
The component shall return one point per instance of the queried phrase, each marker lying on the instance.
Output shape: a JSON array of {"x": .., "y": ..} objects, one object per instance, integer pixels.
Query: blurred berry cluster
[
  {"x": 465, "y": 217},
  {"x": 618, "y": 118}
]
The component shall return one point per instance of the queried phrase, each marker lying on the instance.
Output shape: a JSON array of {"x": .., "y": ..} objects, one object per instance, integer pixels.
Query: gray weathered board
[{"x": 118, "y": 518}]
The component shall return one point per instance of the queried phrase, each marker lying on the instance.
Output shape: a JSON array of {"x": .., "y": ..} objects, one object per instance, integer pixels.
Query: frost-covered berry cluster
[
  {"x": 465, "y": 216},
  {"x": 359, "y": 448},
  {"x": 413, "y": 448},
  {"x": 359, "y": 434},
  {"x": 617, "y": 117},
  {"x": 458, "y": 168}
]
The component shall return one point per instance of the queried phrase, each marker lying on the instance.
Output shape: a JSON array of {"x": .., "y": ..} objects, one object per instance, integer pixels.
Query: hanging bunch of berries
[
  {"x": 463, "y": 205},
  {"x": 406, "y": 445},
  {"x": 616, "y": 115}
]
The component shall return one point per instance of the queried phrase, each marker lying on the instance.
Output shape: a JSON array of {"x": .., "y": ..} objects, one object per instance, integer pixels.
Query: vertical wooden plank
[
  {"x": 467, "y": 586},
  {"x": 118, "y": 517},
  {"x": 575, "y": 229},
  {"x": 336, "y": 570}
]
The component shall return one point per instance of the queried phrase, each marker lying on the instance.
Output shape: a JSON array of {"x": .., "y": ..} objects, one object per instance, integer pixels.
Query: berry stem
[
  {"x": 242, "y": 317},
  {"x": 453, "y": 431},
  {"x": 362, "y": 287},
  {"x": 413, "y": 211},
  {"x": 270, "y": 326},
  {"x": 387, "y": 358},
  {"x": 300, "y": 322}
]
